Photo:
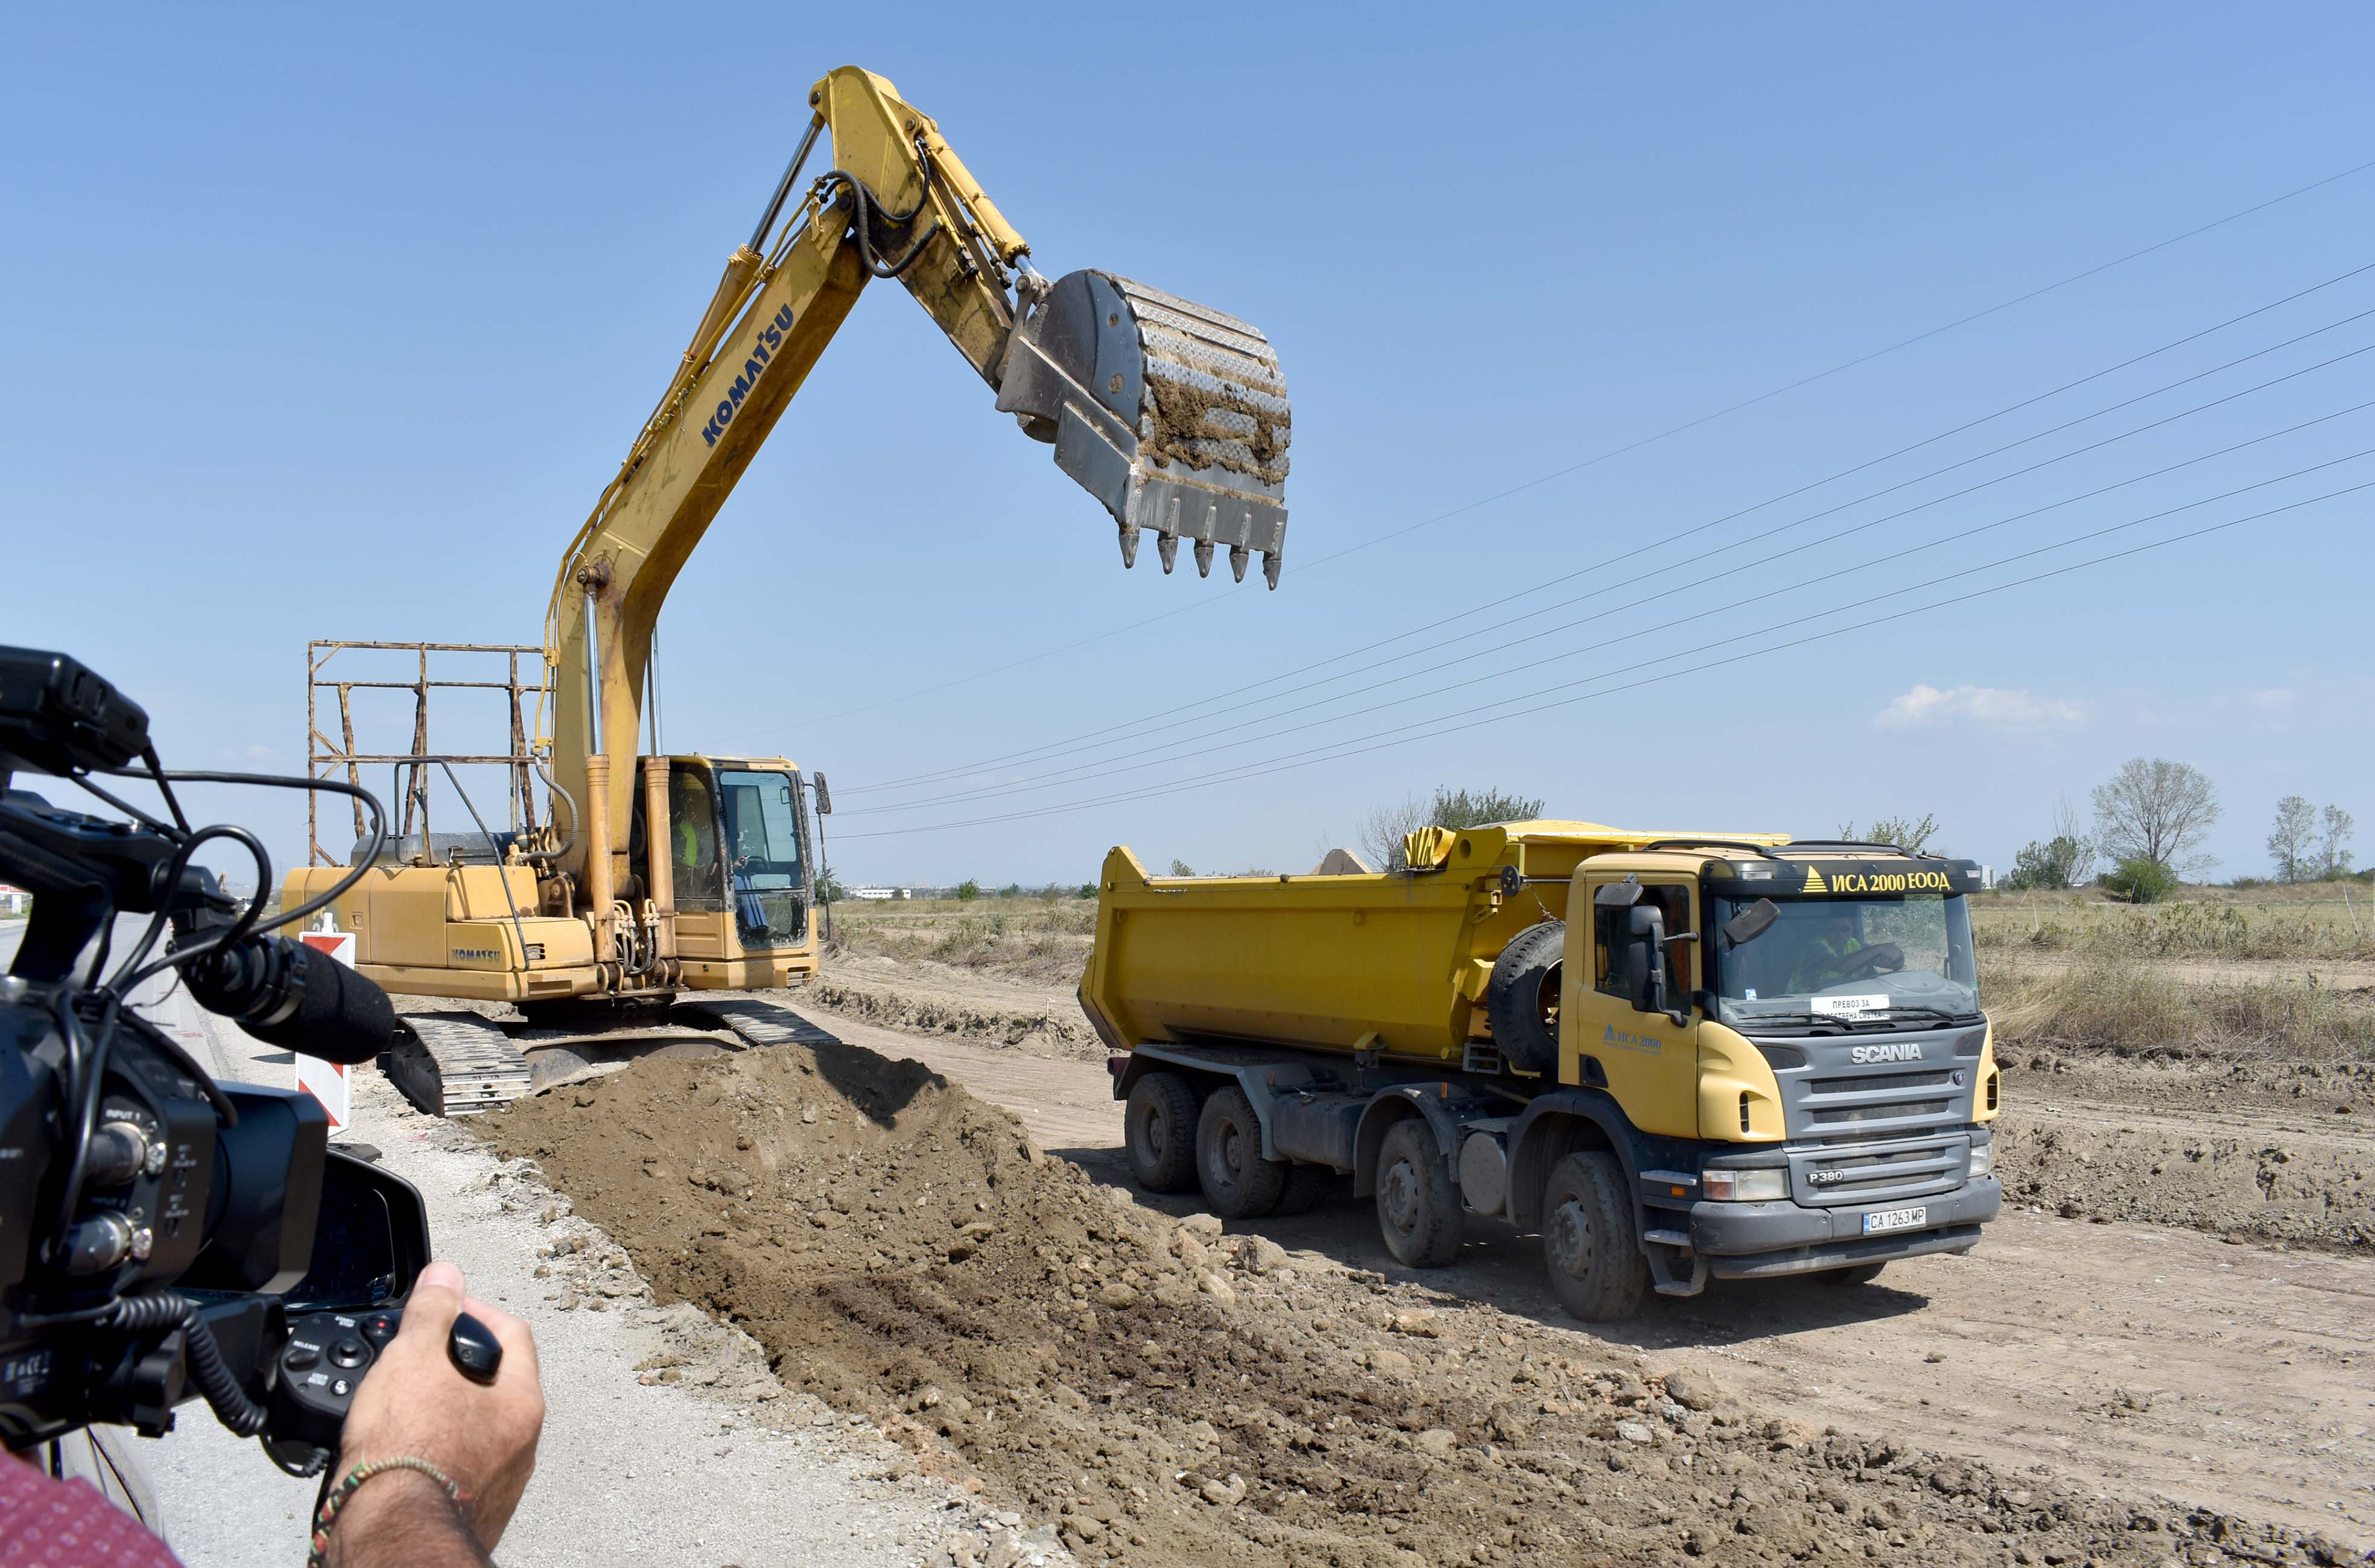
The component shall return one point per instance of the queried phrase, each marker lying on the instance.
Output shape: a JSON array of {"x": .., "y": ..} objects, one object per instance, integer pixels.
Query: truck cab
[
  {"x": 1784, "y": 1050},
  {"x": 1675, "y": 1058}
]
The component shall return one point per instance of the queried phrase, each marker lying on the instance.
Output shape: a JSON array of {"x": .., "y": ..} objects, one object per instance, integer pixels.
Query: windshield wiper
[
  {"x": 1922, "y": 1007},
  {"x": 1750, "y": 1020}
]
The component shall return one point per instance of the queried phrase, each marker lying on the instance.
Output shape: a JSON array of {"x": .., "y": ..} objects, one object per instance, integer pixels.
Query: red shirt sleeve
[{"x": 46, "y": 1523}]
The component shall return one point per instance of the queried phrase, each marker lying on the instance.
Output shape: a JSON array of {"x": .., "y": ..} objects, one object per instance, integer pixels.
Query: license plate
[{"x": 1911, "y": 1218}]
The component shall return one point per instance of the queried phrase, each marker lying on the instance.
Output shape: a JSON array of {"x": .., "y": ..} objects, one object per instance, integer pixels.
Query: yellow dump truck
[{"x": 1678, "y": 1056}]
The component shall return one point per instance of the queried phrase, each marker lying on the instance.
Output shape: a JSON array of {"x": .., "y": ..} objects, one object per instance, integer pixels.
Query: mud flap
[{"x": 1173, "y": 415}]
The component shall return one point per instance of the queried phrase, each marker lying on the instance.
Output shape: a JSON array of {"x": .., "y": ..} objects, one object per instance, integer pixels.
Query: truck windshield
[
  {"x": 769, "y": 874},
  {"x": 1905, "y": 962}
]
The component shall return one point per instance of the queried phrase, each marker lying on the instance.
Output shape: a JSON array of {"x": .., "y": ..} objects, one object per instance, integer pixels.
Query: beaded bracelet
[{"x": 345, "y": 1488}]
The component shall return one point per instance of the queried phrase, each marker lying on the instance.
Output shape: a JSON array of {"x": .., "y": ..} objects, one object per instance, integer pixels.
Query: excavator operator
[{"x": 695, "y": 816}]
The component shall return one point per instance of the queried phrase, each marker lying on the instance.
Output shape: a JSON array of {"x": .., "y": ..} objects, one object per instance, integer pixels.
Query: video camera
[{"x": 162, "y": 1234}]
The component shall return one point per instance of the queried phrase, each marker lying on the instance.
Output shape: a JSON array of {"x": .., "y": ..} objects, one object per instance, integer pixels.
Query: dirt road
[{"x": 2132, "y": 1356}]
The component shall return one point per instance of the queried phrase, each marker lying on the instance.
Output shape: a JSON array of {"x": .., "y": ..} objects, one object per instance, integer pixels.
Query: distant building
[
  {"x": 873, "y": 895},
  {"x": 14, "y": 900}
]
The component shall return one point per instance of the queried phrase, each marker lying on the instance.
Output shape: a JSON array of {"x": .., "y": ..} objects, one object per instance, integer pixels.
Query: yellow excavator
[{"x": 693, "y": 872}]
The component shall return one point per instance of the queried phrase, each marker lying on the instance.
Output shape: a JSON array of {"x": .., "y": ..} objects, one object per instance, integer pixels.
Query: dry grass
[
  {"x": 2106, "y": 1002},
  {"x": 1033, "y": 941},
  {"x": 2195, "y": 929}
]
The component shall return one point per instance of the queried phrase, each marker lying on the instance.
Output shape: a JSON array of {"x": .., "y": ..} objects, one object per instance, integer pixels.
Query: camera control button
[
  {"x": 300, "y": 1356},
  {"x": 341, "y": 1388},
  {"x": 350, "y": 1351},
  {"x": 380, "y": 1327}
]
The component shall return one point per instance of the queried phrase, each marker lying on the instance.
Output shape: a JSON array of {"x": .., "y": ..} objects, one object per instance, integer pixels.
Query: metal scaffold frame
[{"x": 324, "y": 754}]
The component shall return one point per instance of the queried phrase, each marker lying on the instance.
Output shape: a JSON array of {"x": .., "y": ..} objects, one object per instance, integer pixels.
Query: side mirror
[
  {"x": 824, "y": 796},
  {"x": 1619, "y": 895},
  {"x": 370, "y": 1242},
  {"x": 1645, "y": 971},
  {"x": 1750, "y": 922},
  {"x": 1643, "y": 980}
]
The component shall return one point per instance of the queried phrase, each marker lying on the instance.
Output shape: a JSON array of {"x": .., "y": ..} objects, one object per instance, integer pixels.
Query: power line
[
  {"x": 1177, "y": 716},
  {"x": 1109, "y": 766},
  {"x": 1306, "y": 759},
  {"x": 1830, "y": 511},
  {"x": 1840, "y": 368},
  {"x": 1025, "y": 787}
]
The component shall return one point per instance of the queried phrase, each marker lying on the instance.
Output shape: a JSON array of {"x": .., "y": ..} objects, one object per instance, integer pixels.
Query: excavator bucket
[{"x": 1172, "y": 414}]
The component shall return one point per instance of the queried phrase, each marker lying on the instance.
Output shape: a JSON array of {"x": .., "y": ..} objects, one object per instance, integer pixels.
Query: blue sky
[{"x": 321, "y": 324}]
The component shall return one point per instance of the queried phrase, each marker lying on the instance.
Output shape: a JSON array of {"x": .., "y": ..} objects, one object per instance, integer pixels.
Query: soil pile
[
  {"x": 1177, "y": 1396},
  {"x": 1059, "y": 1031}
]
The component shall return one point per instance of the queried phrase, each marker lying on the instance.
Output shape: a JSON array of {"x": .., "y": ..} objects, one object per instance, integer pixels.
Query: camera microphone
[{"x": 285, "y": 994}]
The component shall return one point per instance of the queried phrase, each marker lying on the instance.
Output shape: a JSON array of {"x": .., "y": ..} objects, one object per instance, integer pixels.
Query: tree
[
  {"x": 1903, "y": 831},
  {"x": 2083, "y": 847},
  {"x": 968, "y": 891},
  {"x": 1460, "y": 809},
  {"x": 1088, "y": 891},
  {"x": 829, "y": 886},
  {"x": 1383, "y": 830},
  {"x": 2292, "y": 842},
  {"x": 2334, "y": 830},
  {"x": 1181, "y": 868},
  {"x": 2140, "y": 879},
  {"x": 2157, "y": 810},
  {"x": 2051, "y": 865}
]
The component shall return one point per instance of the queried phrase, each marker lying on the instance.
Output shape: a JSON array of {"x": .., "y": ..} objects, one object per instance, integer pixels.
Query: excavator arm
[{"x": 1173, "y": 416}]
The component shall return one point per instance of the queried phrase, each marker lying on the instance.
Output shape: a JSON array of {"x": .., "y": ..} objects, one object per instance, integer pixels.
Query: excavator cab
[{"x": 742, "y": 876}]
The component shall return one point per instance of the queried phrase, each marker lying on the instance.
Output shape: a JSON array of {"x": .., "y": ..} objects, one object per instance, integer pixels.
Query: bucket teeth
[
  {"x": 1269, "y": 567},
  {"x": 1167, "y": 546},
  {"x": 1238, "y": 557},
  {"x": 1204, "y": 557},
  {"x": 1129, "y": 547}
]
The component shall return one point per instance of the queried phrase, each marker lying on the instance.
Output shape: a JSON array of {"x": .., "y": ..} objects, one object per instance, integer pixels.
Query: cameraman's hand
[{"x": 414, "y": 1403}]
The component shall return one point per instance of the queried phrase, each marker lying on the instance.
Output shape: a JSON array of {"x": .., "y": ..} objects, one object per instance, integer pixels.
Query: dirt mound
[
  {"x": 2287, "y": 1185},
  {"x": 1178, "y": 1397},
  {"x": 1057, "y": 1031}
]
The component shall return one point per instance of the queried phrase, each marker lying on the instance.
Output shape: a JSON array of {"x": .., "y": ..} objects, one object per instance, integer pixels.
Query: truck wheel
[
  {"x": 1591, "y": 1241},
  {"x": 1307, "y": 1186},
  {"x": 1159, "y": 1133},
  {"x": 1521, "y": 999},
  {"x": 1861, "y": 1274},
  {"x": 1239, "y": 1184},
  {"x": 1418, "y": 1212}
]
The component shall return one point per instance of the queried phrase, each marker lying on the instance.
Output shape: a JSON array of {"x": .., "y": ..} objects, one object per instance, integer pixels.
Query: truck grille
[
  {"x": 1876, "y": 1081},
  {"x": 1831, "y": 1096},
  {"x": 1872, "y": 1175},
  {"x": 1866, "y": 1115}
]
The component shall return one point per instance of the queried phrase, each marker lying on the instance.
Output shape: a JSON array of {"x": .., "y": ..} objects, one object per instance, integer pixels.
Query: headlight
[
  {"x": 1983, "y": 1159},
  {"x": 1766, "y": 1184}
]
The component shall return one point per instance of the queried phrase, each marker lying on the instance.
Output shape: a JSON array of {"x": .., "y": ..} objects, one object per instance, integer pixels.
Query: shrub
[
  {"x": 1088, "y": 891},
  {"x": 2140, "y": 879},
  {"x": 968, "y": 890}
]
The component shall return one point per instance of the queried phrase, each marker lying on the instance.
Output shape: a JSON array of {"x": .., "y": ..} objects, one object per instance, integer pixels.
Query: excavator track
[
  {"x": 455, "y": 1064},
  {"x": 463, "y": 1065},
  {"x": 759, "y": 1023}
]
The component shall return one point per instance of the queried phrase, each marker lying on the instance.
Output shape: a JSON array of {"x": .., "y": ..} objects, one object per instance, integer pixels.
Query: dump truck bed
[{"x": 1394, "y": 962}]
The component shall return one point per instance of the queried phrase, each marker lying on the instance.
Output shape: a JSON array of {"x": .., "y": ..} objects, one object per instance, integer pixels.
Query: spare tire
[{"x": 1521, "y": 1000}]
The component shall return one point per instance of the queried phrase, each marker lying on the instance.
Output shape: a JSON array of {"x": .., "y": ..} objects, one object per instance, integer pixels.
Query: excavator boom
[{"x": 1173, "y": 415}]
